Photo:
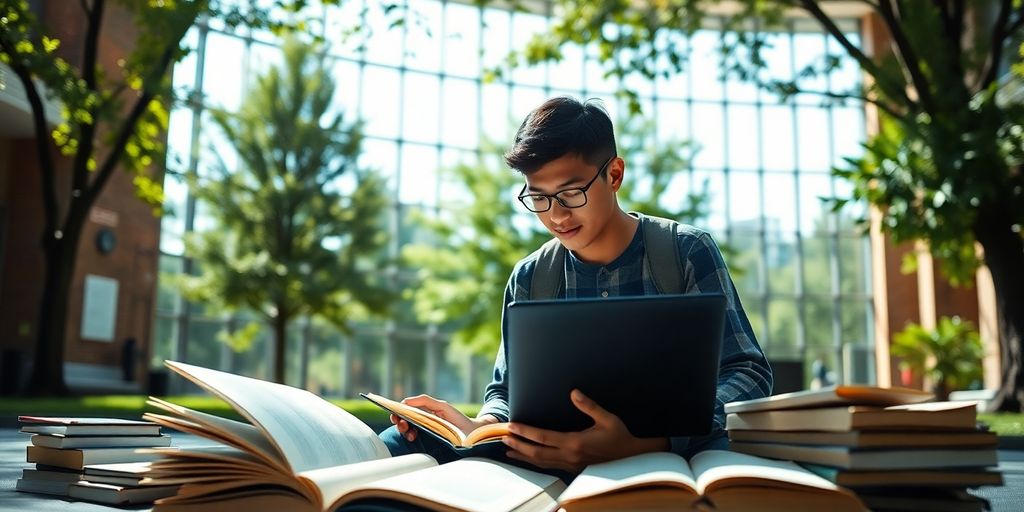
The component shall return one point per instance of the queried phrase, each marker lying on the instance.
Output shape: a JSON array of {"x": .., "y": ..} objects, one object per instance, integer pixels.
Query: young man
[{"x": 566, "y": 151}]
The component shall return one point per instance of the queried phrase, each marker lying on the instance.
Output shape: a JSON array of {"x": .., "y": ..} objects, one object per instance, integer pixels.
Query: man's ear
[{"x": 616, "y": 172}]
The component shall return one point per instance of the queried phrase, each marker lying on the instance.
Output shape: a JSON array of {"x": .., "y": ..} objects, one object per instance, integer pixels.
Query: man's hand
[
  {"x": 608, "y": 439},
  {"x": 442, "y": 409}
]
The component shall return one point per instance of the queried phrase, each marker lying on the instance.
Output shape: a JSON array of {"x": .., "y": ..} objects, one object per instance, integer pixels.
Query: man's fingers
[
  {"x": 534, "y": 453},
  {"x": 537, "y": 435},
  {"x": 424, "y": 402},
  {"x": 590, "y": 408}
]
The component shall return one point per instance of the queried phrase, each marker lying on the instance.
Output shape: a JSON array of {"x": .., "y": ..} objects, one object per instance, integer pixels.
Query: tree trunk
[
  {"x": 1004, "y": 255},
  {"x": 280, "y": 338},
  {"x": 48, "y": 364}
]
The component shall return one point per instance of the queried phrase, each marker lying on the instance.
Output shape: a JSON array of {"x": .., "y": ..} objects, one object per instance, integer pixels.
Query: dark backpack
[{"x": 661, "y": 256}]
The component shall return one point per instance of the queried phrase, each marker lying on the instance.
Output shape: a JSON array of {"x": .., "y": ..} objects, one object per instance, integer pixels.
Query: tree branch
[
  {"x": 869, "y": 66},
  {"x": 995, "y": 52},
  {"x": 128, "y": 127},
  {"x": 42, "y": 135},
  {"x": 906, "y": 53},
  {"x": 85, "y": 6},
  {"x": 87, "y": 131}
]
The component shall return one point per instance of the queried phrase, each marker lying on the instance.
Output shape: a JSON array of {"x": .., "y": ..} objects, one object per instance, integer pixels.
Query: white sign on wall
[{"x": 99, "y": 308}]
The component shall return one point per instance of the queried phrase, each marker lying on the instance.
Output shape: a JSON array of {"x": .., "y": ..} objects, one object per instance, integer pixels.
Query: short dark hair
[{"x": 559, "y": 127}]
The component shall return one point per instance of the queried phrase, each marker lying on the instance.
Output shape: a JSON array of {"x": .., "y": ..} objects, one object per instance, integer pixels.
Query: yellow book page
[{"x": 422, "y": 418}]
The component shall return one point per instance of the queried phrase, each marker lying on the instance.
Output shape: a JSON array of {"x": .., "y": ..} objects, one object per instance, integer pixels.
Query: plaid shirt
[{"x": 743, "y": 372}]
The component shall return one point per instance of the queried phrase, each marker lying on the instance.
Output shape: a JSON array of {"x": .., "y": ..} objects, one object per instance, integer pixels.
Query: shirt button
[{"x": 604, "y": 293}]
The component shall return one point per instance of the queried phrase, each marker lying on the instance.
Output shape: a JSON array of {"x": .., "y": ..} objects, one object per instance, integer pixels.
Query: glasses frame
[{"x": 522, "y": 195}]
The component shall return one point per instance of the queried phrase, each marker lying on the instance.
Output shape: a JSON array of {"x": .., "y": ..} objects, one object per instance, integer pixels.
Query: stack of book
[
  {"x": 96, "y": 459},
  {"x": 894, "y": 447}
]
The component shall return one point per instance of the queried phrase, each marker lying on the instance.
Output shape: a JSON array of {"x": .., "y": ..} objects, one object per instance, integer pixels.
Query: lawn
[{"x": 1005, "y": 424}]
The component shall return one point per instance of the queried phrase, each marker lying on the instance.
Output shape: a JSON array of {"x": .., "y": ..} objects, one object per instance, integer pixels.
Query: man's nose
[{"x": 558, "y": 212}]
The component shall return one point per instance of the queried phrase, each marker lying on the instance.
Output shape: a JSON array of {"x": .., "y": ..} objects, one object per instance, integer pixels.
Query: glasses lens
[
  {"x": 536, "y": 203},
  {"x": 573, "y": 198}
]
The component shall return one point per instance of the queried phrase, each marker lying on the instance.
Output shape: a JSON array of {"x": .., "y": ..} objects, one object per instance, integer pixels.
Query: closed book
[
  {"x": 932, "y": 500},
  {"x": 907, "y": 477},
  {"x": 871, "y": 439},
  {"x": 52, "y": 475},
  {"x": 62, "y": 441},
  {"x": 850, "y": 458},
  {"x": 833, "y": 396},
  {"x": 87, "y": 426},
  {"x": 948, "y": 416},
  {"x": 53, "y": 487},
  {"x": 118, "y": 495},
  {"x": 128, "y": 474},
  {"x": 78, "y": 458}
]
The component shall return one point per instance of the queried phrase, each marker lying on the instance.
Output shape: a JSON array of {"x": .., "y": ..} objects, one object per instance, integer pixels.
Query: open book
[
  {"x": 712, "y": 480},
  {"x": 299, "y": 452},
  {"x": 439, "y": 427}
]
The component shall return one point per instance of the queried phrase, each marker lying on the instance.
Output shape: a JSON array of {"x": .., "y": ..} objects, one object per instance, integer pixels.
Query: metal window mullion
[
  {"x": 801, "y": 301},
  {"x": 188, "y": 265},
  {"x": 833, "y": 246}
]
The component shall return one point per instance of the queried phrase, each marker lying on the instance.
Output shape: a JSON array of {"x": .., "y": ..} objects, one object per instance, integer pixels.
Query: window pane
[
  {"x": 818, "y": 315},
  {"x": 782, "y": 320},
  {"x": 744, "y": 142},
  {"x": 780, "y": 259},
  {"x": 708, "y": 119},
  {"x": 704, "y": 68},
  {"x": 745, "y": 262},
  {"x": 222, "y": 72},
  {"x": 745, "y": 200},
  {"x": 462, "y": 40},
  {"x": 420, "y": 109},
  {"x": 780, "y": 210},
  {"x": 817, "y": 270},
  {"x": 419, "y": 175},
  {"x": 813, "y": 148},
  {"x": 423, "y": 35},
  {"x": 854, "y": 276},
  {"x": 777, "y": 144},
  {"x": 380, "y": 101},
  {"x": 459, "y": 116}
]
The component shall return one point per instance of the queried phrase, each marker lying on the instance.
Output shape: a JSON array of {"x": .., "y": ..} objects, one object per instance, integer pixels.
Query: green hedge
[
  {"x": 133, "y": 406},
  {"x": 1005, "y": 424}
]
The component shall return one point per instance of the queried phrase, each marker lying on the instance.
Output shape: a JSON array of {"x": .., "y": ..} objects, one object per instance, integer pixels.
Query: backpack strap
[
  {"x": 662, "y": 253},
  {"x": 549, "y": 274}
]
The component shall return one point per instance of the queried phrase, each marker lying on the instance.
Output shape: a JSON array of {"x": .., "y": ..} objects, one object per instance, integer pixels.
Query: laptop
[{"x": 650, "y": 360}]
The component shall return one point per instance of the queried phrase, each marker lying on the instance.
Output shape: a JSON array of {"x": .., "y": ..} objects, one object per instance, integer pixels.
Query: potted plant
[{"x": 949, "y": 356}]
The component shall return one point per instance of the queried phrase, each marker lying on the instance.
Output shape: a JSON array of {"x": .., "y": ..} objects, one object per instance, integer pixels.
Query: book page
[
  {"x": 832, "y": 396},
  {"x": 716, "y": 469},
  {"x": 487, "y": 433},
  {"x": 421, "y": 418},
  {"x": 648, "y": 469},
  {"x": 466, "y": 484},
  {"x": 234, "y": 433},
  {"x": 309, "y": 431},
  {"x": 333, "y": 483}
]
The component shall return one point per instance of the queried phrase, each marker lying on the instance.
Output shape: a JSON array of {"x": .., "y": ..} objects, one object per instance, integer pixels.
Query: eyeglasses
[{"x": 568, "y": 198}]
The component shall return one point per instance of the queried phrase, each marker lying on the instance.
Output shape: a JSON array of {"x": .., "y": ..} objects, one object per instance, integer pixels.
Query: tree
[
  {"x": 946, "y": 168},
  {"x": 110, "y": 118},
  {"x": 288, "y": 243},
  {"x": 463, "y": 275}
]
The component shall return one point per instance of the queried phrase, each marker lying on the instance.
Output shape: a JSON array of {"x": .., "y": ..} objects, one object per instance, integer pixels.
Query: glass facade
[{"x": 803, "y": 272}]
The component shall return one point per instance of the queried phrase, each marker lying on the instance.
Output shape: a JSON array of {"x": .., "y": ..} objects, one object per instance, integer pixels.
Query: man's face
[{"x": 577, "y": 228}]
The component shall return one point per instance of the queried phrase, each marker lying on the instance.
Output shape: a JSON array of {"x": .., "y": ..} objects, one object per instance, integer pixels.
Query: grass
[
  {"x": 132, "y": 406},
  {"x": 1004, "y": 424}
]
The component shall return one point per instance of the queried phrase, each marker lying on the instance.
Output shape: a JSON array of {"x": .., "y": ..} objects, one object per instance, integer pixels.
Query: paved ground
[{"x": 1009, "y": 498}]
